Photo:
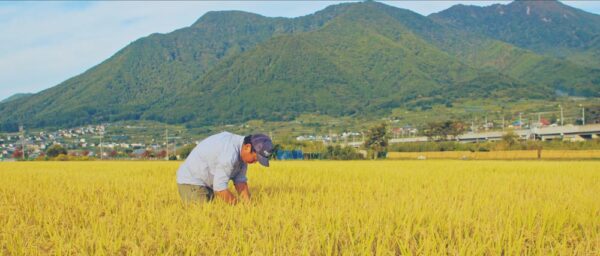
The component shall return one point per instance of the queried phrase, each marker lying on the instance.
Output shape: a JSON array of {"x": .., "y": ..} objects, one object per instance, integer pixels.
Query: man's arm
[
  {"x": 220, "y": 181},
  {"x": 243, "y": 191},
  {"x": 227, "y": 196}
]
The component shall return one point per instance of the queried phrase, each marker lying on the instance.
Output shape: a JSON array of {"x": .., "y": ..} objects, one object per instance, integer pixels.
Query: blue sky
[{"x": 45, "y": 43}]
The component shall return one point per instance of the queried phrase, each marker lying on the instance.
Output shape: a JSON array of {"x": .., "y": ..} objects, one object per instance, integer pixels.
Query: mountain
[
  {"x": 348, "y": 59},
  {"x": 546, "y": 27},
  {"x": 132, "y": 83},
  {"x": 359, "y": 62},
  {"x": 484, "y": 52},
  {"x": 16, "y": 96}
]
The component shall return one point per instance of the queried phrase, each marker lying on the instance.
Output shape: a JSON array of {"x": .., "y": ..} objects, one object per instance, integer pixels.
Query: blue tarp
[{"x": 289, "y": 154}]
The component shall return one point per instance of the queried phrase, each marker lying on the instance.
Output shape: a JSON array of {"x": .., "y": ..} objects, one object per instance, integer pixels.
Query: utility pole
[
  {"x": 346, "y": 140},
  {"x": 101, "y": 149},
  {"x": 167, "y": 143},
  {"x": 175, "y": 149},
  {"x": 22, "y": 130},
  {"x": 539, "y": 119},
  {"x": 561, "y": 116},
  {"x": 582, "y": 114},
  {"x": 530, "y": 122},
  {"x": 486, "y": 123},
  {"x": 175, "y": 144},
  {"x": 521, "y": 120}
]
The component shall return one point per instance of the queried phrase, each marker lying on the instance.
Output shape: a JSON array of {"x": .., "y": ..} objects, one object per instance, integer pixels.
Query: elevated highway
[{"x": 567, "y": 132}]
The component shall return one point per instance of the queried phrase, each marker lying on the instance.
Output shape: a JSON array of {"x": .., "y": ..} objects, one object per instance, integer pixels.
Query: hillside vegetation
[{"x": 351, "y": 59}]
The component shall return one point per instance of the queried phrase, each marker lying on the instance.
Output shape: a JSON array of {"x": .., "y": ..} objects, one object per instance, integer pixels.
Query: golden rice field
[
  {"x": 500, "y": 155},
  {"x": 432, "y": 207}
]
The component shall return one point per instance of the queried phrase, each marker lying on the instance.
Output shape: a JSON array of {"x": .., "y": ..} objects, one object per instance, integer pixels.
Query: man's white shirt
[{"x": 214, "y": 162}]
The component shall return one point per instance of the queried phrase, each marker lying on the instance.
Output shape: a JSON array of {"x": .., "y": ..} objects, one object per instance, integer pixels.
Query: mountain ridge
[
  {"x": 545, "y": 27},
  {"x": 15, "y": 97},
  {"x": 372, "y": 56}
]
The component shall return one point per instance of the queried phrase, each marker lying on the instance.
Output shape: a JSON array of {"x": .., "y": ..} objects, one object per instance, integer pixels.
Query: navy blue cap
[{"x": 263, "y": 146}]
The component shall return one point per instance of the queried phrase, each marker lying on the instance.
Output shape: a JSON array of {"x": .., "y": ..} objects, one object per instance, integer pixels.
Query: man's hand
[
  {"x": 243, "y": 191},
  {"x": 227, "y": 196}
]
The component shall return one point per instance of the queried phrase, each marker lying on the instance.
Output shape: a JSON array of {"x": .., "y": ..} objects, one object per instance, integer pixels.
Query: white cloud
[{"x": 45, "y": 43}]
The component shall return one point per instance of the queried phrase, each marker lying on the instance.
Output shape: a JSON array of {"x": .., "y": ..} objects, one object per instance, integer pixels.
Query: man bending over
[{"x": 218, "y": 159}]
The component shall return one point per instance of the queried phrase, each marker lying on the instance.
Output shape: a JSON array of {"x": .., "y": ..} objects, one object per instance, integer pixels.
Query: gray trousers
[{"x": 195, "y": 194}]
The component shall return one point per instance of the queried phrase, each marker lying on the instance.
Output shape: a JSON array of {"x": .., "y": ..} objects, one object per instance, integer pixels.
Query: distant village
[
  {"x": 88, "y": 141},
  {"x": 92, "y": 141}
]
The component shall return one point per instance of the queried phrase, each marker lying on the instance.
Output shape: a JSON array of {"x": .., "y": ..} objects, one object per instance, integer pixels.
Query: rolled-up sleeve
[
  {"x": 241, "y": 176},
  {"x": 220, "y": 179}
]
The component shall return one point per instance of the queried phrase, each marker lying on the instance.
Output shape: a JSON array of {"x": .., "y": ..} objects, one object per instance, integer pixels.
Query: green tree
[
  {"x": 444, "y": 130},
  {"x": 377, "y": 139},
  {"x": 185, "y": 151},
  {"x": 276, "y": 149},
  {"x": 456, "y": 128},
  {"x": 510, "y": 138},
  {"x": 340, "y": 153},
  {"x": 55, "y": 150}
]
